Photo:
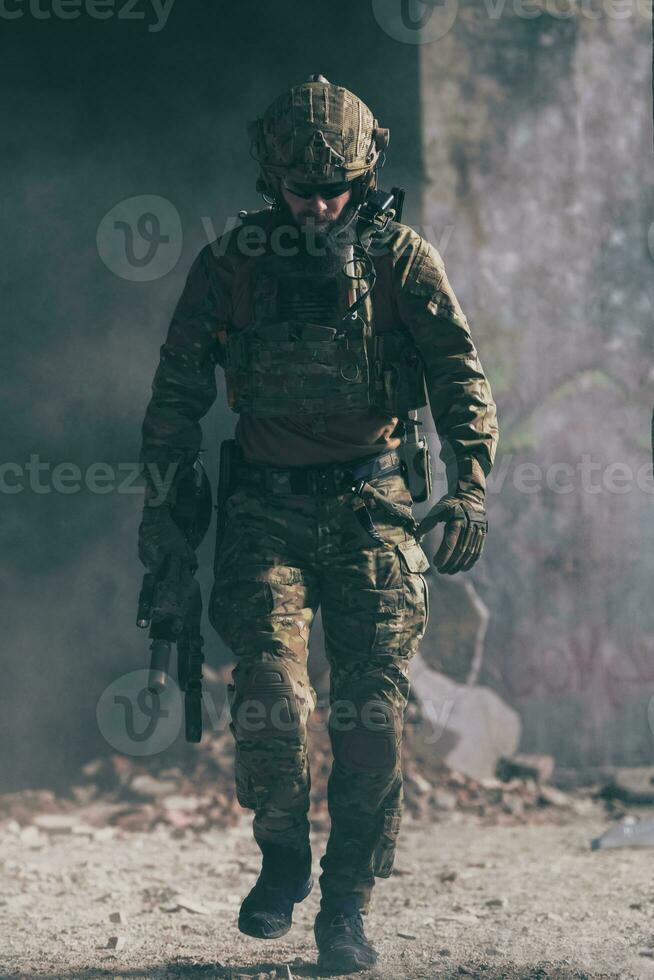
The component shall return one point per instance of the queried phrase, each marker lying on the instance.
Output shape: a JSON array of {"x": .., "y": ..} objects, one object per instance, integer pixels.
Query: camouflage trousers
[{"x": 280, "y": 558}]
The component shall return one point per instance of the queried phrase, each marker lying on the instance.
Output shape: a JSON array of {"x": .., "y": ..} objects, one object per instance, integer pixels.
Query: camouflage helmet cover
[{"x": 317, "y": 132}]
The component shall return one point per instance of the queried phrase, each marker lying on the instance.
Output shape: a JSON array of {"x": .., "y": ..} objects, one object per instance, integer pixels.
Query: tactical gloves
[
  {"x": 464, "y": 536},
  {"x": 160, "y": 537}
]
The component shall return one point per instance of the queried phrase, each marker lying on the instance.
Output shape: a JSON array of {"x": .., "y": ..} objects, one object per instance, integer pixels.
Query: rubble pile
[
  {"x": 518, "y": 793},
  {"x": 190, "y": 788}
]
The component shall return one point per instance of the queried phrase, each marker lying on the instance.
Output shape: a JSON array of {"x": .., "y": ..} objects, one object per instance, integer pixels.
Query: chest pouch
[{"x": 300, "y": 355}]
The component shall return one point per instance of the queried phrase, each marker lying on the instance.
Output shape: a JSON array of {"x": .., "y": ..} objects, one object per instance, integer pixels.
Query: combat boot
[
  {"x": 285, "y": 878},
  {"x": 341, "y": 941}
]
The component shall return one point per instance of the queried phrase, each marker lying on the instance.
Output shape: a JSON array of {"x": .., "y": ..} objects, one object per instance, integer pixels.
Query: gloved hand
[
  {"x": 159, "y": 537},
  {"x": 173, "y": 595},
  {"x": 464, "y": 536}
]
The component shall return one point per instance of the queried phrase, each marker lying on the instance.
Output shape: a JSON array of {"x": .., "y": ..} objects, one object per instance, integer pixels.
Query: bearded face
[{"x": 316, "y": 206}]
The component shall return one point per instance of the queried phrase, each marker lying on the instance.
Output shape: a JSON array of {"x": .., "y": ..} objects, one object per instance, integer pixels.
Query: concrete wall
[{"x": 540, "y": 190}]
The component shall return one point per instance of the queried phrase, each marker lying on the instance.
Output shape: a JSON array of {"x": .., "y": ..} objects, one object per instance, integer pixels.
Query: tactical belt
[{"x": 329, "y": 480}]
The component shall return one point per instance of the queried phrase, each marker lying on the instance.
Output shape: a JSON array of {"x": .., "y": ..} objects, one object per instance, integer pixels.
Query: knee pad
[
  {"x": 365, "y": 738},
  {"x": 266, "y": 706}
]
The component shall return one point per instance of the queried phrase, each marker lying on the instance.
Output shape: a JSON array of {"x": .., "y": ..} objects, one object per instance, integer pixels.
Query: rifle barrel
[{"x": 159, "y": 663}]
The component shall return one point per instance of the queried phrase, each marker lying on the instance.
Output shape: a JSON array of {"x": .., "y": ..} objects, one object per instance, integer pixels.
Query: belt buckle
[
  {"x": 312, "y": 481},
  {"x": 339, "y": 475},
  {"x": 325, "y": 486},
  {"x": 320, "y": 481}
]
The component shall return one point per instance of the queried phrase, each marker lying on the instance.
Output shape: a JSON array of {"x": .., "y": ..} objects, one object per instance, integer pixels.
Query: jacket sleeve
[
  {"x": 459, "y": 394},
  {"x": 184, "y": 385}
]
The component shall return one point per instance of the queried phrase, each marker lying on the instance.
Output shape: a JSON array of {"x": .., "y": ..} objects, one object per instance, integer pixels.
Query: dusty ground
[{"x": 525, "y": 901}]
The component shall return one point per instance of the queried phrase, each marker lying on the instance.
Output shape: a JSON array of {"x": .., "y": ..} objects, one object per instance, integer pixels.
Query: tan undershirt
[{"x": 313, "y": 440}]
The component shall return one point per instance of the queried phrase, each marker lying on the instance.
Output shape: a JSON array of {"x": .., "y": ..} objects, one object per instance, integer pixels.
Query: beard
[
  {"x": 307, "y": 219},
  {"x": 325, "y": 231},
  {"x": 318, "y": 235}
]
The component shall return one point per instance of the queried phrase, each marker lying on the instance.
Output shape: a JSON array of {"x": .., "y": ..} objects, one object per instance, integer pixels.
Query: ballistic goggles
[{"x": 307, "y": 191}]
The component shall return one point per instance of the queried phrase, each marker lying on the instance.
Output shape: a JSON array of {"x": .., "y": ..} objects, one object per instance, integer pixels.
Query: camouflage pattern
[
  {"x": 283, "y": 556},
  {"x": 412, "y": 290},
  {"x": 280, "y": 557},
  {"x": 317, "y": 132},
  {"x": 299, "y": 356}
]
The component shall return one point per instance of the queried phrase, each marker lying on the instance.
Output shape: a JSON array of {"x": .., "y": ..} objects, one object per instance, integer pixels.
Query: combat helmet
[{"x": 319, "y": 133}]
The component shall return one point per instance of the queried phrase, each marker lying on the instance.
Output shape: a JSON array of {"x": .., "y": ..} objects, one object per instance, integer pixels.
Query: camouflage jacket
[{"x": 412, "y": 289}]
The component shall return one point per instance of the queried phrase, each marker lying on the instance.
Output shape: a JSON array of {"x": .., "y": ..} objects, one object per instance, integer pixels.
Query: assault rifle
[{"x": 170, "y": 603}]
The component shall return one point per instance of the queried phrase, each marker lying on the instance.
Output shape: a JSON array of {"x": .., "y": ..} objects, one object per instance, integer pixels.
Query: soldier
[{"x": 324, "y": 371}]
